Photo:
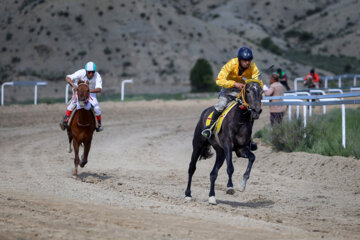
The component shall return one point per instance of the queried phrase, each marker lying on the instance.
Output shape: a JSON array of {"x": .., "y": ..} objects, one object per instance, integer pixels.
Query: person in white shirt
[{"x": 95, "y": 84}]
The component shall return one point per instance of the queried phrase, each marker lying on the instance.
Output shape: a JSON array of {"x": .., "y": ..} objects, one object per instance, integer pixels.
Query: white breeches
[{"x": 92, "y": 100}]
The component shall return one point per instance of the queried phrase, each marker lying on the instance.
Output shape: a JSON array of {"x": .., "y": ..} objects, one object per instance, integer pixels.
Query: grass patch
[
  {"x": 323, "y": 135},
  {"x": 142, "y": 97},
  {"x": 268, "y": 44},
  {"x": 160, "y": 96},
  {"x": 336, "y": 65},
  {"x": 39, "y": 101},
  {"x": 128, "y": 98}
]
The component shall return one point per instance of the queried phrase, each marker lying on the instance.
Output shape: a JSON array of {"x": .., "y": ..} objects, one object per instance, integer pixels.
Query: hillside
[{"x": 157, "y": 42}]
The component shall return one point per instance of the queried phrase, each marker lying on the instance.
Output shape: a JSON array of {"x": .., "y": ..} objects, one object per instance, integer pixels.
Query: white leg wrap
[
  {"x": 187, "y": 199},
  {"x": 242, "y": 185},
  {"x": 212, "y": 200}
]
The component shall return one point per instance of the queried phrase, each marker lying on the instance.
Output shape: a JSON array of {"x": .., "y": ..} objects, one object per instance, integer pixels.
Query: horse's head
[
  {"x": 252, "y": 95},
  {"x": 83, "y": 93}
]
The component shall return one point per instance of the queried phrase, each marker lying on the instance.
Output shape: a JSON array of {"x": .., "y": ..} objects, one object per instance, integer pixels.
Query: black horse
[{"x": 235, "y": 135}]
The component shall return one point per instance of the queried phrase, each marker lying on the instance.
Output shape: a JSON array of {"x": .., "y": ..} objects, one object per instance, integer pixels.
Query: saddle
[
  {"x": 93, "y": 114},
  {"x": 216, "y": 127}
]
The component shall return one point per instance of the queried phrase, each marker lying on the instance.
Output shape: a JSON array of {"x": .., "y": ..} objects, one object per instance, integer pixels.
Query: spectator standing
[
  {"x": 283, "y": 78},
  {"x": 276, "y": 89}
]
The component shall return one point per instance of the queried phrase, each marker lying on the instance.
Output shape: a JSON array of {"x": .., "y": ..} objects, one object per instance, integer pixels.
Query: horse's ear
[{"x": 87, "y": 82}]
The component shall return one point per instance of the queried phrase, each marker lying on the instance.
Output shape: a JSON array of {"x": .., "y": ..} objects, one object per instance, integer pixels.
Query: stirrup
[
  {"x": 206, "y": 133},
  {"x": 63, "y": 125},
  {"x": 99, "y": 129}
]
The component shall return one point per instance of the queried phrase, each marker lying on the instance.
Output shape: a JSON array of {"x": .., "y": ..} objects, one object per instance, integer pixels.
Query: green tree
[{"x": 202, "y": 77}]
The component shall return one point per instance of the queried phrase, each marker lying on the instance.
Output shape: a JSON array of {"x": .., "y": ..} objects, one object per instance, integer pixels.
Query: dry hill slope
[{"x": 154, "y": 42}]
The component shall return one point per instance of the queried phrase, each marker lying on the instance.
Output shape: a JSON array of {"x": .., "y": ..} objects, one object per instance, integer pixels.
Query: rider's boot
[
  {"x": 206, "y": 132},
  {"x": 64, "y": 123},
  {"x": 99, "y": 128}
]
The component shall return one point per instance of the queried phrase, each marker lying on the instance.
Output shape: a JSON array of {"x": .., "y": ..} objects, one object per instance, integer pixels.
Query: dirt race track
[{"x": 133, "y": 185}]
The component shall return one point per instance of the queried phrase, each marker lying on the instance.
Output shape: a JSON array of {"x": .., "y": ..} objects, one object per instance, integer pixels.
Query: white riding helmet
[{"x": 90, "y": 66}]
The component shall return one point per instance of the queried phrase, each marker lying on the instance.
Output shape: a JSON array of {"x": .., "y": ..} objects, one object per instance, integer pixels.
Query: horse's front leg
[
  {"x": 86, "y": 154},
  {"x": 77, "y": 159},
  {"x": 251, "y": 158},
  {"x": 230, "y": 170},
  {"x": 220, "y": 157},
  {"x": 70, "y": 137}
]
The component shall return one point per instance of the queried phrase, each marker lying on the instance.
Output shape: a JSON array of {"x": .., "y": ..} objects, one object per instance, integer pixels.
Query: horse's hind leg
[
  {"x": 85, "y": 154},
  {"x": 251, "y": 158},
  {"x": 201, "y": 147},
  {"x": 220, "y": 157},
  {"x": 192, "y": 167}
]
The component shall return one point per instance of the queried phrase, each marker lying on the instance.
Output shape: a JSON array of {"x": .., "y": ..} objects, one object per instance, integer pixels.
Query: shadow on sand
[
  {"x": 256, "y": 203},
  {"x": 86, "y": 176}
]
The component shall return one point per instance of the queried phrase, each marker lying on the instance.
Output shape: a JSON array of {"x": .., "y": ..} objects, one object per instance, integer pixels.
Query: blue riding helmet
[
  {"x": 245, "y": 53},
  {"x": 90, "y": 66}
]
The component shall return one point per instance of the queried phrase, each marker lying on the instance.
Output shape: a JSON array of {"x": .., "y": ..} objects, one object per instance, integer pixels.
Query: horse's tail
[
  {"x": 206, "y": 151},
  {"x": 200, "y": 144}
]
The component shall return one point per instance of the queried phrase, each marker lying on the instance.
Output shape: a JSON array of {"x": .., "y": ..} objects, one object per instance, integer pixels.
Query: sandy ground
[{"x": 133, "y": 186}]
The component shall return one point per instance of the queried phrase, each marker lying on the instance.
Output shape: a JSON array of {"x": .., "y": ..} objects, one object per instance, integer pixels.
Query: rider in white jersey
[{"x": 95, "y": 85}]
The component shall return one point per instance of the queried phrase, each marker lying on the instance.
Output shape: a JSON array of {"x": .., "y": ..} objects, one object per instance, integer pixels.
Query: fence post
[
  {"x": 2, "y": 91},
  {"x": 123, "y": 88},
  {"x": 339, "y": 81},
  {"x": 323, "y": 93},
  {"x": 295, "y": 82},
  {"x": 343, "y": 125},
  {"x": 35, "y": 95}
]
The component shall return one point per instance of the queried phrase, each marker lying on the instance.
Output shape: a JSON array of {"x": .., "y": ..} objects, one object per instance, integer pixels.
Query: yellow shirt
[{"x": 229, "y": 74}]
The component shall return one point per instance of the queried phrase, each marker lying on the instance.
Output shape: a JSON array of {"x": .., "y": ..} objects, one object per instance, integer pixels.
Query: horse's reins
[{"x": 86, "y": 100}]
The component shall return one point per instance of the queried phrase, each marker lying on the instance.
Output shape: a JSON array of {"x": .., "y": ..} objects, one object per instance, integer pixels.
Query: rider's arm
[
  {"x": 98, "y": 84},
  {"x": 254, "y": 71},
  {"x": 74, "y": 78},
  {"x": 270, "y": 91},
  {"x": 69, "y": 81},
  {"x": 222, "y": 80},
  {"x": 316, "y": 77},
  {"x": 96, "y": 90},
  {"x": 306, "y": 77}
]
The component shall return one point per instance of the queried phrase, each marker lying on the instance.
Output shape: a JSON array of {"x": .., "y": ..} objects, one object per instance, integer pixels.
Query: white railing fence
[
  {"x": 333, "y": 99},
  {"x": 123, "y": 82},
  {"x": 34, "y": 84},
  {"x": 326, "y": 80}
]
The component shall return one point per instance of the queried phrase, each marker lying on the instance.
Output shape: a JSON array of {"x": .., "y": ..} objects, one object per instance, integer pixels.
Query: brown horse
[{"x": 82, "y": 126}]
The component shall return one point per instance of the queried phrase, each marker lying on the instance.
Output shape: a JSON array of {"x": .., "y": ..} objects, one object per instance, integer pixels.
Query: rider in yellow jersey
[{"x": 232, "y": 79}]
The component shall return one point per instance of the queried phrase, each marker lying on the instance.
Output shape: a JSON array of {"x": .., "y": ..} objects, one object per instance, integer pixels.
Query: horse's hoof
[
  {"x": 230, "y": 191},
  {"x": 212, "y": 200},
  {"x": 242, "y": 186},
  {"x": 82, "y": 164},
  {"x": 187, "y": 199}
]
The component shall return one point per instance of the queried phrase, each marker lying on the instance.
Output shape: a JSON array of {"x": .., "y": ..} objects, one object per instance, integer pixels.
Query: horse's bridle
[
  {"x": 87, "y": 99},
  {"x": 241, "y": 96}
]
